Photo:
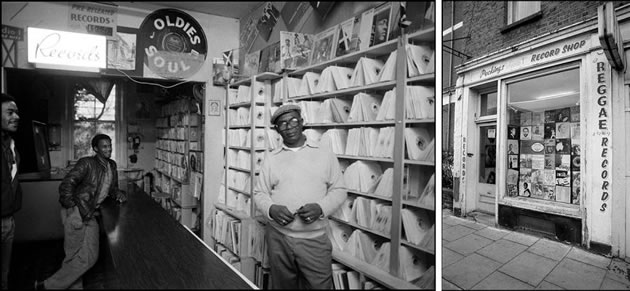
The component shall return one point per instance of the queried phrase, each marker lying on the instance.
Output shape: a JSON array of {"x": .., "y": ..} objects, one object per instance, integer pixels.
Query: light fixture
[{"x": 557, "y": 95}]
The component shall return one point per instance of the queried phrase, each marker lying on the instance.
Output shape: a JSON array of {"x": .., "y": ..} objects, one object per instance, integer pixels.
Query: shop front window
[{"x": 543, "y": 140}]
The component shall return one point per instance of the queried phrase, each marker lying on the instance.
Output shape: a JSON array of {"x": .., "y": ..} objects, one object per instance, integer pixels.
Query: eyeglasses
[{"x": 284, "y": 125}]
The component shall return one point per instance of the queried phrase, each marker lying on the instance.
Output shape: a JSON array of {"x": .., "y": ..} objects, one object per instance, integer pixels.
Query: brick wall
[{"x": 484, "y": 20}]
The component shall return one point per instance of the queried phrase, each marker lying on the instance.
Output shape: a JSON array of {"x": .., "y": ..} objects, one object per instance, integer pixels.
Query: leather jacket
[
  {"x": 83, "y": 183},
  {"x": 11, "y": 189}
]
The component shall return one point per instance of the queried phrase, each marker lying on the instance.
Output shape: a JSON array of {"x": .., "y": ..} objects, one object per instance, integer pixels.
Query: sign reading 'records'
[{"x": 174, "y": 44}]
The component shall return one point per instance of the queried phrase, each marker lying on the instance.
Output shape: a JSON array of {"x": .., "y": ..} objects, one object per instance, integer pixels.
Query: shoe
[{"x": 39, "y": 285}]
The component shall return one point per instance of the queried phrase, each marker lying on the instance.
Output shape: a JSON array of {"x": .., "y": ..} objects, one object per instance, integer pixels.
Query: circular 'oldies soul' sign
[{"x": 174, "y": 44}]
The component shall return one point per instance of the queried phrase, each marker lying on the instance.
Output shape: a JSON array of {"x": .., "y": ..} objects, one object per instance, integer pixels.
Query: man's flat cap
[{"x": 284, "y": 109}]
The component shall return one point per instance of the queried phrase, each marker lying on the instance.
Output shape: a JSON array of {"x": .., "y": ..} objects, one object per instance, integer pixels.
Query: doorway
[{"x": 485, "y": 191}]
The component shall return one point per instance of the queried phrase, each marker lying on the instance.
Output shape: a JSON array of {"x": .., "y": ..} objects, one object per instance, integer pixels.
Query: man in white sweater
[{"x": 299, "y": 185}]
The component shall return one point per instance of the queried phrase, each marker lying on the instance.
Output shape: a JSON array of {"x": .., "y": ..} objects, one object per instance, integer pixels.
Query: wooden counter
[{"x": 149, "y": 249}]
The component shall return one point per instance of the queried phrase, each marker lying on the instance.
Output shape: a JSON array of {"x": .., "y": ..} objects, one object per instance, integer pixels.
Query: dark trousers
[{"x": 299, "y": 263}]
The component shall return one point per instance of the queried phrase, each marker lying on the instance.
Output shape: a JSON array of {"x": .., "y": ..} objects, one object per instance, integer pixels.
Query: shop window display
[{"x": 543, "y": 143}]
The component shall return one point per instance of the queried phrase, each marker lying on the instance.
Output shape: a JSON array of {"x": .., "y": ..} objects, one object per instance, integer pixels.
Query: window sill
[
  {"x": 552, "y": 207},
  {"x": 521, "y": 22}
]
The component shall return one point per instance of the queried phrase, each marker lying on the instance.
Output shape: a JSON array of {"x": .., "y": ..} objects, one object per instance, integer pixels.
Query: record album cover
[
  {"x": 563, "y": 130},
  {"x": 550, "y": 130},
  {"x": 550, "y": 146},
  {"x": 563, "y": 146},
  {"x": 512, "y": 147},
  {"x": 538, "y": 191},
  {"x": 575, "y": 130},
  {"x": 563, "y": 194},
  {"x": 550, "y": 116},
  {"x": 514, "y": 132},
  {"x": 575, "y": 114},
  {"x": 513, "y": 161},
  {"x": 526, "y": 132},
  {"x": 381, "y": 25},
  {"x": 538, "y": 118},
  {"x": 324, "y": 46},
  {"x": 550, "y": 161},
  {"x": 563, "y": 178},
  {"x": 549, "y": 177},
  {"x": 525, "y": 161},
  {"x": 575, "y": 187},
  {"x": 538, "y": 132},
  {"x": 538, "y": 162},
  {"x": 549, "y": 193},
  {"x": 563, "y": 115},
  {"x": 512, "y": 177},
  {"x": 526, "y": 118},
  {"x": 512, "y": 190},
  {"x": 563, "y": 162}
]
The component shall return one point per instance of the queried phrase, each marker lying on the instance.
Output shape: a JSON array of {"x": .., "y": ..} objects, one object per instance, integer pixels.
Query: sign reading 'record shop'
[{"x": 174, "y": 43}]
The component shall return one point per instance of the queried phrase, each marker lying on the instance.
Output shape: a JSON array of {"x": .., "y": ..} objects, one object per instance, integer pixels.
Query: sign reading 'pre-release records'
[{"x": 174, "y": 44}]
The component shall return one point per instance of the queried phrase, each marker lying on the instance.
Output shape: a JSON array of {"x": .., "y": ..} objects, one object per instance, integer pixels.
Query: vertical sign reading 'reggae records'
[
  {"x": 93, "y": 18},
  {"x": 174, "y": 44}
]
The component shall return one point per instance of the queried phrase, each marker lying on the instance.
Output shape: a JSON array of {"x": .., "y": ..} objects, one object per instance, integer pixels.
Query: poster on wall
[
  {"x": 10, "y": 36},
  {"x": 121, "y": 51},
  {"x": 123, "y": 56},
  {"x": 174, "y": 44},
  {"x": 248, "y": 35},
  {"x": 93, "y": 18},
  {"x": 322, "y": 8},
  {"x": 225, "y": 68},
  {"x": 220, "y": 72},
  {"x": 267, "y": 21},
  {"x": 250, "y": 66},
  {"x": 293, "y": 13}
]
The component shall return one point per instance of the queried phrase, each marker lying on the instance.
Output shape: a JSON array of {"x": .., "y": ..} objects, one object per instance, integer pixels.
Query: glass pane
[
  {"x": 87, "y": 107},
  {"x": 522, "y": 9},
  {"x": 488, "y": 151},
  {"x": 84, "y": 131},
  {"x": 489, "y": 104},
  {"x": 91, "y": 118},
  {"x": 544, "y": 137}
]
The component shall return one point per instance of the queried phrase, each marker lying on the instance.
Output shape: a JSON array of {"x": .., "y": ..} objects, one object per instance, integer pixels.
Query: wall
[
  {"x": 311, "y": 23},
  {"x": 54, "y": 15},
  {"x": 484, "y": 28},
  {"x": 221, "y": 34}
]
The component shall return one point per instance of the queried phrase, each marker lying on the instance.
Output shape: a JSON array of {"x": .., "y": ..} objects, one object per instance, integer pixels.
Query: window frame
[
  {"x": 510, "y": 24},
  {"x": 551, "y": 207},
  {"x": 119, "y": 145}
]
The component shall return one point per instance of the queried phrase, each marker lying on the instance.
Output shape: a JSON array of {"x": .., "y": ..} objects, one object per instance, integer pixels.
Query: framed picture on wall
[
  {"x": 122, "y": 53},
  {"x": 40, "y": 139}
]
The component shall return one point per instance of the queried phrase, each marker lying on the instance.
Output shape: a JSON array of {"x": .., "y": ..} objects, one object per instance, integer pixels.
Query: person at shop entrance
[
  {"x": 11, "y": 190},
  {"x": 81, "y": 193},
  {"x": 299, "y": 185}
]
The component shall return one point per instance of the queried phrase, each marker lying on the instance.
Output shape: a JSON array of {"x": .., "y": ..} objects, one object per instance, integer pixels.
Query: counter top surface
[
  {"x": 149, "y": 249},
  {"x": 40, "y": 176}
]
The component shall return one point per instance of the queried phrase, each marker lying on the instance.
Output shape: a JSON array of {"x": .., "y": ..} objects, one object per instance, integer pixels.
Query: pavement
[{"x": 476, "y": 255}]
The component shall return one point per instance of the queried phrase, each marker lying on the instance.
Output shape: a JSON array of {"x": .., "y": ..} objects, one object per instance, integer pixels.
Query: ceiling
[{"x": 232, "y": 9}]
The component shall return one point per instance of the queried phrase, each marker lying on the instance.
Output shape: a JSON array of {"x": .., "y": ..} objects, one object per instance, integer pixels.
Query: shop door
[{"x": 486, "y": 190}]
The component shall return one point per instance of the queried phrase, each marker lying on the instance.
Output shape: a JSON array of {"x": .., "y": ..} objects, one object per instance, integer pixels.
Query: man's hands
[
  {"x": 121, "y": 196},
  {"x": 280, "y": 214},
  {"x": 310, "y": 212}
]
